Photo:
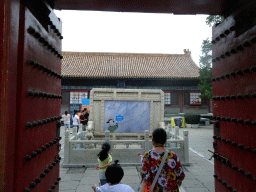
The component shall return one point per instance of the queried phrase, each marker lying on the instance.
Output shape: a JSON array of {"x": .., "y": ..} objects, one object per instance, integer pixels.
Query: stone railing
[{"x": 80, "y": 152}]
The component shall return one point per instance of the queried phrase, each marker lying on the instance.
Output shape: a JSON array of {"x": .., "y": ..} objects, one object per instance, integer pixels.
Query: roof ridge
[{"x": 125, "y": 54}]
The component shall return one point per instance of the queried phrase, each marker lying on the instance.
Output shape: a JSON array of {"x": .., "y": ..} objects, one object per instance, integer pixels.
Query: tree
[
  {"x": 213, "y": 19},
  {"x": 205, "y": 74}
]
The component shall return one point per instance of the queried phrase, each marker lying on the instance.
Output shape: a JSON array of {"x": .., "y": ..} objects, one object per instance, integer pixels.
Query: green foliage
[
  {"x": 206, "y": 58},
  {"x": 213, "y": 19},
  {"x": 205, "y": 77},
  {"x": 205, "y": 62},
  {"x": 205, "y": 85}
]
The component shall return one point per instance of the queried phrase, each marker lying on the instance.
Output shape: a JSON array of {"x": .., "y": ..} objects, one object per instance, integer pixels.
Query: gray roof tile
[{"x": 128, "y": 65}]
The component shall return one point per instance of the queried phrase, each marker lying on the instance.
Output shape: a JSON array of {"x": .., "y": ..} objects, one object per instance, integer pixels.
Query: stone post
[
  {"x": 168, "y": 133},
  {"x": 83, "y": 137},
  {"x": 162, "y": 125},
  {"x": 176, "y": 132},
  {"x": 75, "y": 132},
  {"x": 186, "y": 146},
  {"x": 107, "y": 136},
  {"x": 146, "y": 141},
  {"x": 169, "y": 126},
  {"x": 66, "y": 148}
]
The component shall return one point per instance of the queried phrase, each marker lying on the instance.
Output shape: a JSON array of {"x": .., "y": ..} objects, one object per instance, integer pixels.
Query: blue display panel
[{"x": 127, "y": 116}]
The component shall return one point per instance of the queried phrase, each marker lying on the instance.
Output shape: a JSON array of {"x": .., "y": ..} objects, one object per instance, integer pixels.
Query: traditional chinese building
[{"x": 176, "y": 74}]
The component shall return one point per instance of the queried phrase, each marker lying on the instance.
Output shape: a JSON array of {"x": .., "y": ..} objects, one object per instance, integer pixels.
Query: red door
[
  {"x": 31, "y": 97},
  {"x": 234, "y": 101}
]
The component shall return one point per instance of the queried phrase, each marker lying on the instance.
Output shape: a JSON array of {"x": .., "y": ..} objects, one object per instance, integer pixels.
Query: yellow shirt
[{"x": 105, "y": 162}]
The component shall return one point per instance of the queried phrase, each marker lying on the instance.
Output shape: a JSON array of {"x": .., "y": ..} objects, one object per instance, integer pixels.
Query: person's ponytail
[{"x": 103, "y": 154}]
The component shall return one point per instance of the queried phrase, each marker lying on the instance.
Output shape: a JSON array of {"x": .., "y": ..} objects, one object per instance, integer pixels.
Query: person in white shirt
[
  {"x": 75, "y": 119},
  {"x": 114, "y": 175},
  {"x": 66, "y": 119}
]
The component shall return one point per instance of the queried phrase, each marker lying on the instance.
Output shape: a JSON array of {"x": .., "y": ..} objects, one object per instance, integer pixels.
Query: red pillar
[
  {"x": 181, "y": 101},
  {"x": 9, "y": 28}
]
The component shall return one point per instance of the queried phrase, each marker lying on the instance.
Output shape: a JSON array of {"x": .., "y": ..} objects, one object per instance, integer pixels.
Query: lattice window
[
  {"x": 76, "y": 97},
  {"x": 195, "y": 99},
  {"x": 167, "y": 98}
]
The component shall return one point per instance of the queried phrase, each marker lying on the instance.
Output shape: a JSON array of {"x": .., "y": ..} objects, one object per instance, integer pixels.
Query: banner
[
  {"x": 85, "y": 101},
  {"x": 127, "y": 116}
]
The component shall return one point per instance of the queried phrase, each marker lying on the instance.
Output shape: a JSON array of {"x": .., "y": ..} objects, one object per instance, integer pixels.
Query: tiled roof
[{"x": 128, "y": 65}]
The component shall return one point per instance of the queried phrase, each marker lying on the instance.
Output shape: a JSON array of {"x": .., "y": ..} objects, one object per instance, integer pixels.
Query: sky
[{"x": 96, "y": 31}]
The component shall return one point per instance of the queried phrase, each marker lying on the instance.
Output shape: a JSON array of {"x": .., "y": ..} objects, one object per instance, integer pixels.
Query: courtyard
[{"x": 199, "y": 175}]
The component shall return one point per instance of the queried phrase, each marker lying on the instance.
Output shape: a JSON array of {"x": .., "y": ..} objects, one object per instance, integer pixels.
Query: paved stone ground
[{"x": 199, "y": 175}]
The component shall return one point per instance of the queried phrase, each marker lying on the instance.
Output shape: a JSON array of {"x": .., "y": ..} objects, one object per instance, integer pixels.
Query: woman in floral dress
[{"x": 172, "y": 173}]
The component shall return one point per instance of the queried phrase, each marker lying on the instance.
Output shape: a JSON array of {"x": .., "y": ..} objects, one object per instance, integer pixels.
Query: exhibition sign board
[
  {"x": 127, "y": 116},
  {"x": 126, "y": 112}
]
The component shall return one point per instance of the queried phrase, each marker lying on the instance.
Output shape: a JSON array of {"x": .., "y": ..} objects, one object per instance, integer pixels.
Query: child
[
  {"x": 104, "y": 160},
  {"x": 75, "y": 119},
  {"x": 83, "y": 120},
  {"x": 66, "y": 119},
  {"x": 114, "y": 175}
]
